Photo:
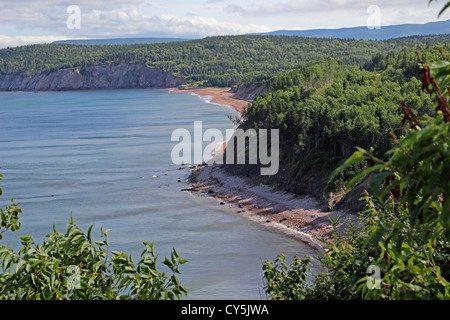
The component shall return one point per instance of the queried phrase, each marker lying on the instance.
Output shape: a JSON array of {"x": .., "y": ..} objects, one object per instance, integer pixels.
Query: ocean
[{"x": 105, "y": 158}]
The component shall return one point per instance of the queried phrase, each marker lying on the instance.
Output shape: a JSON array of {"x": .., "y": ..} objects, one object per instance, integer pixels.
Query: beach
[
  {"x": 219, "y": 96},
  {"x": 300, "y": 217}
]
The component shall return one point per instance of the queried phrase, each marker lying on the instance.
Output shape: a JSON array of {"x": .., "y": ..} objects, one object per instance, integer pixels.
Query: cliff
[
  {"x": 245, "y": 92},
  {"x": 122, "y": 76}
]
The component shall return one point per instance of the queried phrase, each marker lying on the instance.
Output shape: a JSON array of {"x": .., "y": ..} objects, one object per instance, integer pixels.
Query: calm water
[{"x": 95, "y": 154}]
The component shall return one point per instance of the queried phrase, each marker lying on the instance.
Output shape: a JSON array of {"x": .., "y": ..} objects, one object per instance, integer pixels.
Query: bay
[{"x": 105, "y": 157}]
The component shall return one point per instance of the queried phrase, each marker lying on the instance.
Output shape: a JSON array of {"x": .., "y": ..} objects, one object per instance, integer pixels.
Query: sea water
[{"x": 105, "y": 158}]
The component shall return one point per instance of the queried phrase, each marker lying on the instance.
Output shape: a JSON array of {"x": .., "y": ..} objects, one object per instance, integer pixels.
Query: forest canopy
[
  {"x": 325, "y": 109},
  {"x": 214, "y": 61}
]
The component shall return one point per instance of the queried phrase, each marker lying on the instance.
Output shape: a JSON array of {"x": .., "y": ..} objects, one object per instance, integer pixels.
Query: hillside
[
  {"x": 325, "y": 109},
  {"x": 217, "y": 61}
]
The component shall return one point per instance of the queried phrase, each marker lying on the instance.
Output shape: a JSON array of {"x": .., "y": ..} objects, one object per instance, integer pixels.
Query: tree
[{"x": 405, "y": 229}]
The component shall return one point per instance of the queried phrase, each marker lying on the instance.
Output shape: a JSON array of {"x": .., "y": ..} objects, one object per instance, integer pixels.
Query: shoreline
[
  {"x": 299, "y": 217},
  {"x": 221, "y": 96}
]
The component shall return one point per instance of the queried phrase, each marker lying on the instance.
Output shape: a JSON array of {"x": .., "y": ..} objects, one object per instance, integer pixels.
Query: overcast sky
[{"x": 32, "y": 21}]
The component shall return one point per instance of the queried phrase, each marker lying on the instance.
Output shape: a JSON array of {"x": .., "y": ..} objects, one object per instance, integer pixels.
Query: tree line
[
  {"x": 324, "y": 109},
  {"x": 214, "y": 61}
]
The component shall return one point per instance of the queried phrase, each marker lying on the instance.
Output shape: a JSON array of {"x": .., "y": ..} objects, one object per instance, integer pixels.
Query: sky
[{"x": 41, "y": 21}]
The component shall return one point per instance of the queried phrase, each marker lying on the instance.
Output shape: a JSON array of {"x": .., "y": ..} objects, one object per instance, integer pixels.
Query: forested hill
[
  {"x": 216, "y": 61},
  {"x": 325, "y": 109}
]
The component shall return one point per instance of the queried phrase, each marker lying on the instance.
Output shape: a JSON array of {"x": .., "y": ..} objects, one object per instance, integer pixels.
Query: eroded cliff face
[
  {"x": 245, "y": 92},
  {"x": 122, "y": 76}
]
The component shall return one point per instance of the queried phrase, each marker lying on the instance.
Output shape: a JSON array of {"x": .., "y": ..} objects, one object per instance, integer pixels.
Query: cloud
[
  {"x": 116, "y": 19},
  {"x": 134, "y": 18},
  {"x": 204, "y": 26},
  {"x": 318, "y": 6},
  {"x": 293, "y": 7},
  {"x": 8, "y": 41},
  {"x": 337, "y": 13},
  {"x": 107, "y": 24}
]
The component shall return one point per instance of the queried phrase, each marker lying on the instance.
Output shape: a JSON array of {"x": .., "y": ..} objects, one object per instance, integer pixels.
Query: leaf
[
  {"x": 363, "y": 174},
  {"x": 377, "y": 182},
  {"x": 357, "y": 157},
  {"x": 390, "y": 187},
  {"x": 107, "y": 236},
  {"x": 19, "y": 265},
  {"x": 89, "y": 233},
  {"x": 168, "y": 263},
  {"x": 445, "y": 8}
]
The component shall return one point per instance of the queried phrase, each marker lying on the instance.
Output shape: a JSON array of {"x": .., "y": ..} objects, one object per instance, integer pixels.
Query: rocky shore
[{"x": 299, "y": 217}]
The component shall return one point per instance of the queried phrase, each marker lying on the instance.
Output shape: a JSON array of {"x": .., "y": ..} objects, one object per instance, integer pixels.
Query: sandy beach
[
  {"x": 300, "y": 217},
  {"x": 218, "y": 95}
]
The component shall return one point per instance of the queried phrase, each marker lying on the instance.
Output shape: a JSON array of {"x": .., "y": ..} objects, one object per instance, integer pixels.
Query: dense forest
[
  {"x": 325, "y": 109},
  {"x": 399, "y": 247},
  {"x": 214, "y": 61}
]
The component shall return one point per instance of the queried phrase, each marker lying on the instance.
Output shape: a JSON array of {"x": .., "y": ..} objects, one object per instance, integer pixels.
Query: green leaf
[
  {"x": 366, "y": 172},
  {"x": 445, "y": 8},
  {"x": 19, "y": 265},
  {"x": 377, "y": 182},
  {"x": 89, "y": 233},
  {"x": 357, "y": 157},
  {"x": 107, "y": 236}
]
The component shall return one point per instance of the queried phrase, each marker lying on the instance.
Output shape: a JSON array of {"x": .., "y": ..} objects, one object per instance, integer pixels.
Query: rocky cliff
[
  {"x": 245, "y": 92},
  {"x": 122, "y": 76}
]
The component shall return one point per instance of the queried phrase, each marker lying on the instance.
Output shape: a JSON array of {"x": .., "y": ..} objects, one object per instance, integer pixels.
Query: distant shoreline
[{"x": 219, "y": 95}]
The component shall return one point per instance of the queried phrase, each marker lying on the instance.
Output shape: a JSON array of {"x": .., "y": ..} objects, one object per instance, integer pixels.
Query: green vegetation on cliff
[
  {"x": 399, "y": 249},
  {"x": 215, "y": 61},
  {"x": 325, "y": 109}
]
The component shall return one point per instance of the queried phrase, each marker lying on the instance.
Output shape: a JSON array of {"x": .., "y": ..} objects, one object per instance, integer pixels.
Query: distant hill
[
  {"x": 121, "y": 41},
  {"x": 364, "y": 33},
  {"x": 223, "y": 61}
]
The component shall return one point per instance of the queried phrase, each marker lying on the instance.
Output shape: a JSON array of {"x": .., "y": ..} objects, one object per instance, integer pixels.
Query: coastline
[
  {"x": 300, "y": 217},
  {"x": 221, "y": 96}
]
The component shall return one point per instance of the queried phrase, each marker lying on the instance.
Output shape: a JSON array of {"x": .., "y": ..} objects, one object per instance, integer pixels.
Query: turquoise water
[{"x": 96, "y": 154}]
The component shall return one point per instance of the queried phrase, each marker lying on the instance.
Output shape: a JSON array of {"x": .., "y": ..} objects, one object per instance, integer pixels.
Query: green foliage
[
  {"x": 324, "y": 110},
  {"x": 405, "y": 229},
  {"x": 73, "y": 266},
  {"x": 214, "y": 61},
  {"x": 9, "y": 217},
  {"x": 415, "y": 248},
  {"x": 345, "y": 262},
  {"x": 286, "y": 282}
]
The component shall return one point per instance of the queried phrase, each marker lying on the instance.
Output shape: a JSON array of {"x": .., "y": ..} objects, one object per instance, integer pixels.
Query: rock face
[
  {"x": 248, "y": 92},
  {"x": 122, "y": 76}
]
